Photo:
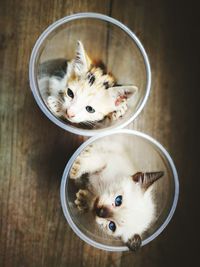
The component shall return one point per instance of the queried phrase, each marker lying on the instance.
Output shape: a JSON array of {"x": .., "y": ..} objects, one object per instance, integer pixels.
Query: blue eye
[
  {"x": 118, "y": 201},
  {"x": 90, "y": 109},
  {"x": 70, "y": 93},
  {"x": 112, "y": 226}
]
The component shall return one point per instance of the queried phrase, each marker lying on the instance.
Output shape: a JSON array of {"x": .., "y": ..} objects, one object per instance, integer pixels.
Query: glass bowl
[
  {"x": 148, "y": 155},
  {"x": 104, "y": 38}
]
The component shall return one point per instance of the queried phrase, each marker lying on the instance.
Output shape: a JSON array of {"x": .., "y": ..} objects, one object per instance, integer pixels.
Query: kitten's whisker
[
  {"x": 88, "y": 123},
  {"x": 91, "y": 122},
  {"x": 60, "y": 101}
]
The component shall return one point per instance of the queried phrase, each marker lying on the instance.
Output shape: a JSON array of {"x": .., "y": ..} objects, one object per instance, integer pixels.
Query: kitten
[
  {"x": 86, "y": 93},
  {"x": 120, "y": 197}
]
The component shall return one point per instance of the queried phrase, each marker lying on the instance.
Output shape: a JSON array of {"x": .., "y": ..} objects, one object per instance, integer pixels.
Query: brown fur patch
[
  {"x": 99, "y": 64},
  {"x": 106, "y": 84},
  {"x": 72, "y": 77},
  {"x": 103, "y": 212}
]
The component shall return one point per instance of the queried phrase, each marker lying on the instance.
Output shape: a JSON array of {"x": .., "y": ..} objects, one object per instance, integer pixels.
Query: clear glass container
[
  {"x": 104, "y": 38},
  {"x": 148, "y": 155}
]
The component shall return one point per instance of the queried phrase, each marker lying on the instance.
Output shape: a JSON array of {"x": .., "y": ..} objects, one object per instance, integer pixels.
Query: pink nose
[{"x": 70, "y": 114}]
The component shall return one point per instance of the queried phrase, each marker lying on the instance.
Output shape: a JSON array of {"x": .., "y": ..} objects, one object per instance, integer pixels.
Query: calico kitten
[
  {"x": 120, "y": 197},
  {"x": 87, "y": 93}
]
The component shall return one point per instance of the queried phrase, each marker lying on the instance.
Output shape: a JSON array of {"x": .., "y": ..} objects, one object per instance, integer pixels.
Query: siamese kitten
[
  {"x": 120, "y": 197},
  {"x": 87, "y": 93}
]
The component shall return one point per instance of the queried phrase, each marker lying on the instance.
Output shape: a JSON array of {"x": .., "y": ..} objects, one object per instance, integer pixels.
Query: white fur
[{"x": 110, "y": 175}]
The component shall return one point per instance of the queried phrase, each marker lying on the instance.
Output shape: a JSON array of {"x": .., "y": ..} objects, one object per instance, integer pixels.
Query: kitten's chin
[{"x": 72, "y": 120}]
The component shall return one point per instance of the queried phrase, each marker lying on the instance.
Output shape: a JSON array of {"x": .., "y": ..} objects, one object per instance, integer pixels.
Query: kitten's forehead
[
  {"x": 92, "y": 82},
  {"x": 104, "y": 81}
]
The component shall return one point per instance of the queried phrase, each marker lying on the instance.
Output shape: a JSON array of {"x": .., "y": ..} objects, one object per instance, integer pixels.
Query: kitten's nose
[
  {"x": 70, "y": 114},
  {"x": 103, "y": 212}
]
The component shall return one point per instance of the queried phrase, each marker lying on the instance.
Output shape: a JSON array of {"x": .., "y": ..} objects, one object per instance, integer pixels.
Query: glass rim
[
  {"x": 33, "y": 83},
  {"x": 65, "y": 178}
]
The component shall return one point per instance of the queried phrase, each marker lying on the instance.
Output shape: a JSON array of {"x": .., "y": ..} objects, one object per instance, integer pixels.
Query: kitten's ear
[
  {"x": 81, "y": 62},
  {"x": 119, "y": 93},
  {"x": 134, "y": 243},
  {"x": 146, "y": 179}
]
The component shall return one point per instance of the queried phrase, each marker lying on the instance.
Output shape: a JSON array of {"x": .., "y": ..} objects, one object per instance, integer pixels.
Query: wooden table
[{"x": 33, "y": 151}]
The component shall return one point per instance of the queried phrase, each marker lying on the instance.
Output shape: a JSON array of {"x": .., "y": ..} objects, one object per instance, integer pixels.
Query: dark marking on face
[
  {"x": 134, "y": 243},
  {"x": 101, "y": 65},
  {"x": 106, "y": 84},
  {"x": 91, "y": 78},
  {"x": 103, "y": 212}
]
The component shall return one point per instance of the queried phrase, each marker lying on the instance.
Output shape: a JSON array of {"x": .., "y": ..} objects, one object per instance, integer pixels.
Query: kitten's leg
[
  {"x": 55, "y": 105},
  {"x": 121, "y": 111},
  {"x": 89, "y": 161},
  {"x": 84, "y": 200}
]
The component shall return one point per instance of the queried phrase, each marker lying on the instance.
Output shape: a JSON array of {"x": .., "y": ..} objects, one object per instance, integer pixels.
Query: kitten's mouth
[
  {"x": 72, "y": 119},
  {"x": 69, "y": 119}
]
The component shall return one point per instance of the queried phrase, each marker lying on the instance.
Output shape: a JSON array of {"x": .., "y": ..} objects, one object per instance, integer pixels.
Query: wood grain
[{"x": 33, "y": 151}]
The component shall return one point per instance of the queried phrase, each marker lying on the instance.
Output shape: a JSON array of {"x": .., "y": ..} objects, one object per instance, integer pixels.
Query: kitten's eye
[
  {"x": 70, "y": 93},
  {"x": 118, "y": 201},
  {"x": 112, "y": 226},
  {"x": 90, "y": 109}
]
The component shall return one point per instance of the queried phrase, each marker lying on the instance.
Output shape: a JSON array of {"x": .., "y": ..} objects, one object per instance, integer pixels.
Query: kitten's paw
[
  {"x": 75, "y": 172},
  {"x": 77, "y": 168},
  {"x": 82, "y": 200},
  {"x": 87, "y": 151},
  {"x": 121, "y": 111},
  {"x": 134, "y": 243},
  {"x": 54, "y": 105}
]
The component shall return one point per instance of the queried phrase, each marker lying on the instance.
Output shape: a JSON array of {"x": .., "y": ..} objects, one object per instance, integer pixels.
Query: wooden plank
[
  {"x": 33, "y": 151},
  {"x": 162, "y": 28}
]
